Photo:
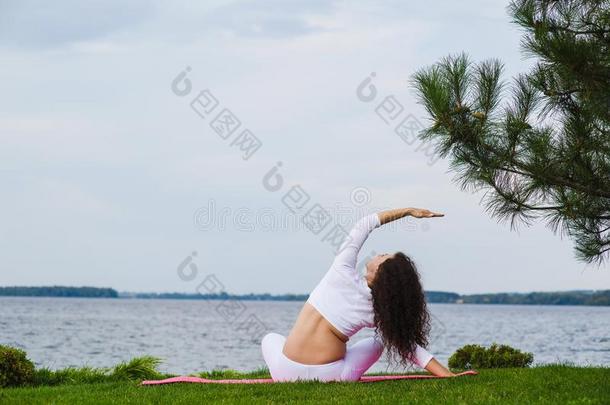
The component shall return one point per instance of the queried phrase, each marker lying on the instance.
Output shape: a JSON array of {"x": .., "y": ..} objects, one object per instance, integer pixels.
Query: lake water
[{"x": 196, "y": 335}]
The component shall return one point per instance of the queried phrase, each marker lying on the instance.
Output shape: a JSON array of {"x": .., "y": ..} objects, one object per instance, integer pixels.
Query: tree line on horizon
[{"x": 58, "y": 291}]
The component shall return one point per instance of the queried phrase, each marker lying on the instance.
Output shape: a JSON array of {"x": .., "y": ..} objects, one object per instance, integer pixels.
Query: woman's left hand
[{"x": 423, "y": 213}]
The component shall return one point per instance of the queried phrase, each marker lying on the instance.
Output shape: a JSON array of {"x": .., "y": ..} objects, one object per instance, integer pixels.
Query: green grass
[
  {"x": 137, "y": 369},
  {"x": 553, "y": 384}
]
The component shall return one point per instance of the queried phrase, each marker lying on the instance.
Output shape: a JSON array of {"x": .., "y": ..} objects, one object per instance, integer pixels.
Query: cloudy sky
[{"x": 110, "y": 178}]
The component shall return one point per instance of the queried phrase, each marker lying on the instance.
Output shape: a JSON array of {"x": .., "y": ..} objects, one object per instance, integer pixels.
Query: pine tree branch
[
  {"x": 557, "y": 165},
  {"x": 522, "y": 204},
  {"x": 556, "y": 28},
  {"x": 510, "y": 199},
  {"x": 548, "y": 177}
]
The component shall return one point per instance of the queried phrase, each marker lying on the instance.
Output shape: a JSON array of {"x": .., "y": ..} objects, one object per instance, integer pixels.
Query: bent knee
[
  {"x": 272, "y": 345},
  {"x": 272, "y": 339}
]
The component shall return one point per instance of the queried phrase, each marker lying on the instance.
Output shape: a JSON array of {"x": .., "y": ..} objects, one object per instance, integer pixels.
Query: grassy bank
[{"x": 546, "y": 384}]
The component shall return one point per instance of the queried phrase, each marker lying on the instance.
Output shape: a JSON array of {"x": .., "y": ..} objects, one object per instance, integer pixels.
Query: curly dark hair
[{"x": 401, "y": 315}]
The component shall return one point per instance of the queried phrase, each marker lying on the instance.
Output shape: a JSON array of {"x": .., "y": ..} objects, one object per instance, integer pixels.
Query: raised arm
[
  {"x": 393, "y": 215},
  {"x": 348, "y": 252}
]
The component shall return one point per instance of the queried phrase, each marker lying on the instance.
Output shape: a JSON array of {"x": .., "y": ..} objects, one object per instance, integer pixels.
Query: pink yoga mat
[{"x": 365, "y": 379}]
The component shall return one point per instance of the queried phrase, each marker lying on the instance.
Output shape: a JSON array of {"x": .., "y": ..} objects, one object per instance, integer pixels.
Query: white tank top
[{"x": 343, "y": 296}]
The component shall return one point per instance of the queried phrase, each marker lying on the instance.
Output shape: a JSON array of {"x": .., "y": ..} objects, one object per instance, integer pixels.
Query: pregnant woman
[{"x": 389, "y": 298}]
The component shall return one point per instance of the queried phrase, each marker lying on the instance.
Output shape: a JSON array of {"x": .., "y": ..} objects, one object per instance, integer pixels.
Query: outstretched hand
[
  {"x": 392, "y": 215},
  {"x": 423, "y": 213}
]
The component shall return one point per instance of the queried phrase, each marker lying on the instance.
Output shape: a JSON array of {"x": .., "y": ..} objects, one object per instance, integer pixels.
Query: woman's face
[{"x": 373, "y": 265}]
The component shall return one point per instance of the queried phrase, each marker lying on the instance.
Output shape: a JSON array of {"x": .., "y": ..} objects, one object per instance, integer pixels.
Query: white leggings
[{"x": 359, "y": 357}]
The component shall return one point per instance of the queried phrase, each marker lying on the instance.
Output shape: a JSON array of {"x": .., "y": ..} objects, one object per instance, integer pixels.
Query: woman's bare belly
[{"x": 313, "y": 340}]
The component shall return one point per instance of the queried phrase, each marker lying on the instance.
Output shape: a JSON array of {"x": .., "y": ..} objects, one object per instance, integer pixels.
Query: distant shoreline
[{"x": 578, "y": 297}]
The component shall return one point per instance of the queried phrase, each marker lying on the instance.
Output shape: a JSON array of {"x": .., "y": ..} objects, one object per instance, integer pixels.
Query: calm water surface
[{"x": 193, "y": 335}]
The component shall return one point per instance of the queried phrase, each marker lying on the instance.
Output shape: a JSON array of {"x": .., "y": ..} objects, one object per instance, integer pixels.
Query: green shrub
[
  {"x": 496, "y": 356},
  {"x": 15, "y": 368}
]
